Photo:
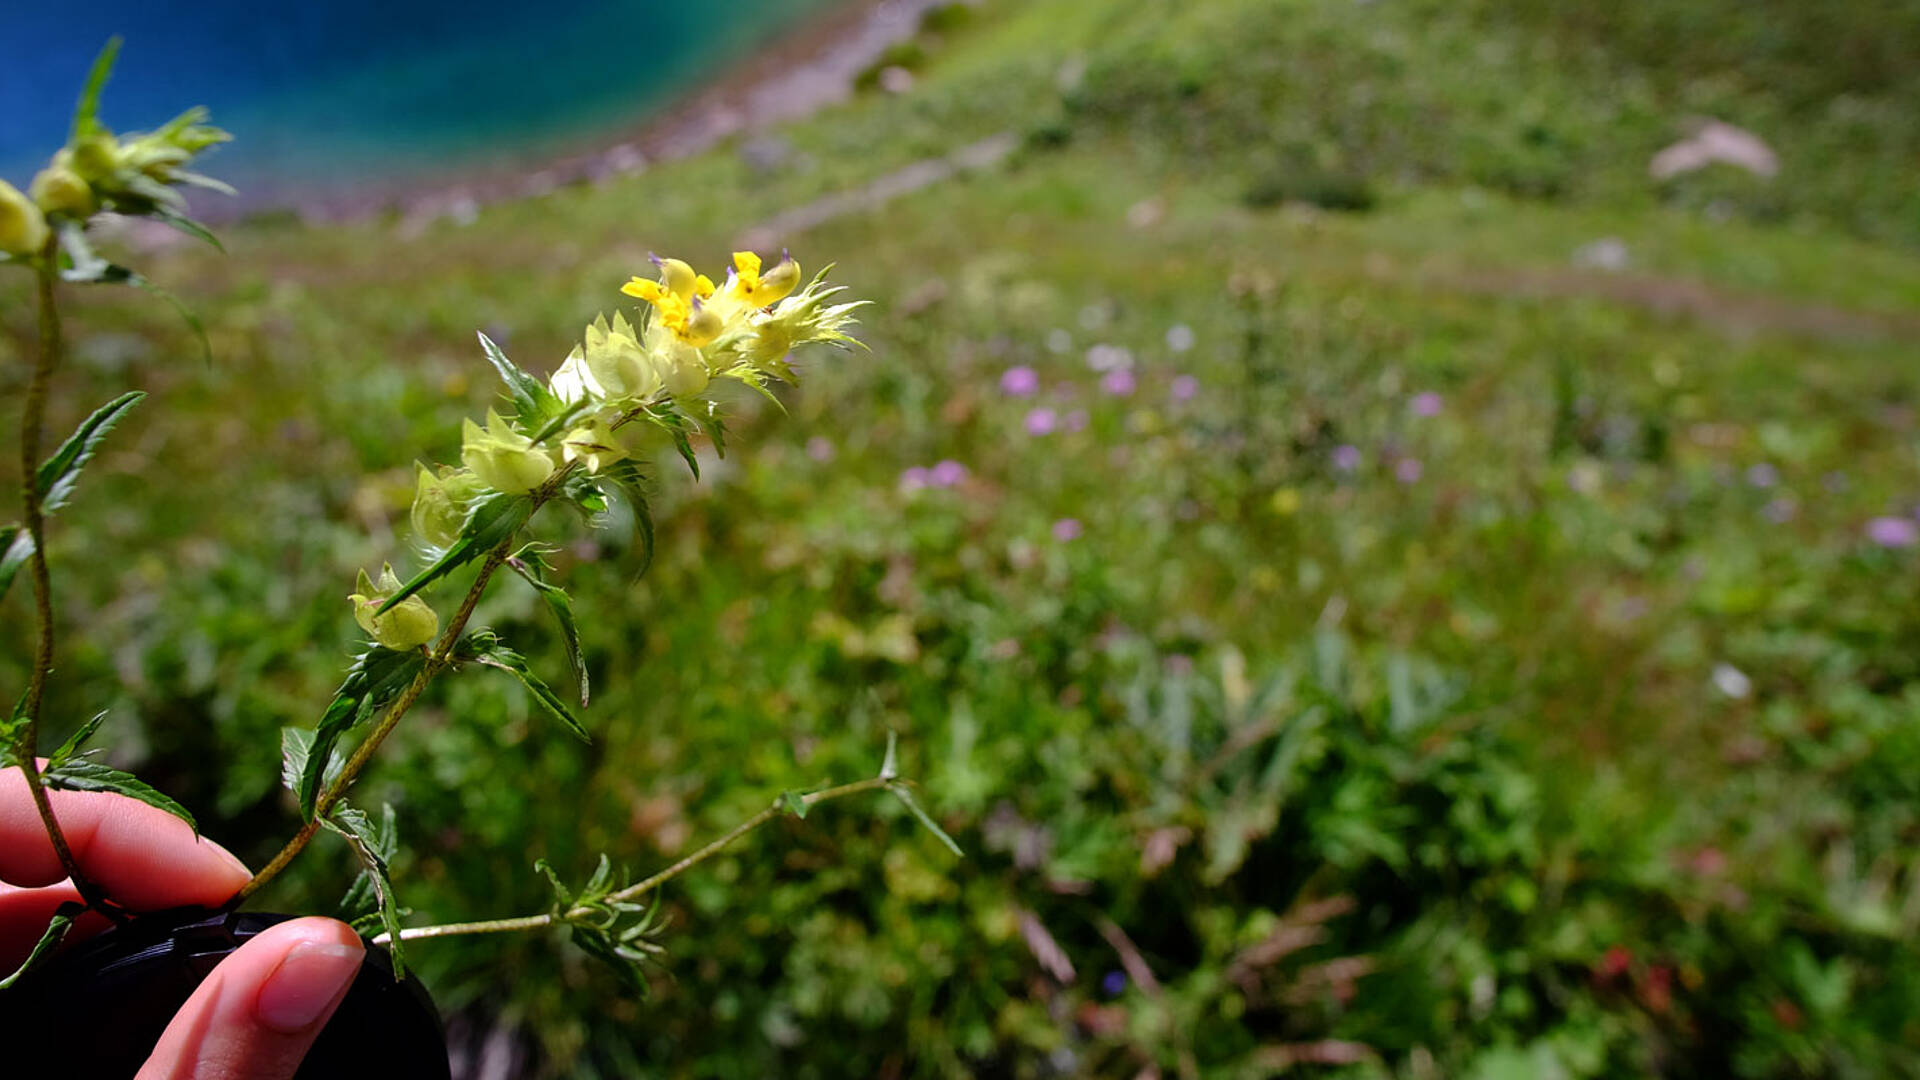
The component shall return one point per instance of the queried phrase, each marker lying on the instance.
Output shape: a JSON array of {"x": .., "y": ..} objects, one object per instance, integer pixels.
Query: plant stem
[
  {"x": 52, "y": 347},
  {"x": 708, "y": 851},
  {"x": 362, "y": 754}
]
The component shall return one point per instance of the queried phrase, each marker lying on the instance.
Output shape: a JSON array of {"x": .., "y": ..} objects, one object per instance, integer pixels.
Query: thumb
[{"x": 257, "y": 1014}]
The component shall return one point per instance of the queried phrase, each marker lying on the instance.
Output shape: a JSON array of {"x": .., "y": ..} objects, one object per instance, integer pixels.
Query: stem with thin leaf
[
  {"x": 440, "y": 658},
  {"x": 639, "y": 889},
  {"x": 52, "y": 347}
]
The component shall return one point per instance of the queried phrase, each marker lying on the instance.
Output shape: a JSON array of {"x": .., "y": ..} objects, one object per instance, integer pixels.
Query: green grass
[{"x": 1479, "y": 707}]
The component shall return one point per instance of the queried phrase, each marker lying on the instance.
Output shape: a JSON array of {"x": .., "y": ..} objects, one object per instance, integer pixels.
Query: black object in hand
[{"x": 96, "y": 1010}]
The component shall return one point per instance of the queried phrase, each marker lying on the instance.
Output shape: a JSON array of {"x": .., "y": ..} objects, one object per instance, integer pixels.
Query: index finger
[{"x": 143, "y": 857}]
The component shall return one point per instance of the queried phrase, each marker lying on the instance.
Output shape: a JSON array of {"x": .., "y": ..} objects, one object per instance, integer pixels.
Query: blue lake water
[{"x": 329, "y": 95}]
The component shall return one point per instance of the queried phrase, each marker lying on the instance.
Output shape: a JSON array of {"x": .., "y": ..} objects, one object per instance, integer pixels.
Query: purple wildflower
[
  {"x": 1184, "y": 387},
  {"x": 946, "y": 474},
  {"x": 820, "y": 448},
  {"x": 1042, "y": 421},
  {"x": 1346, "y": 458},
  {"x": 913, "y": 480},
  {"x": 1019, "y": 382},
  {"x": 1763, "y": 475},
  {"x": 1780, "y": 511},
  {"x": 1067, "y": 529},
  {"x": 1427, "y": 404},
  {"x": 1118, "y": 383},
  {"x": 1114, "y": 983},
  {"x": 1076, "y": 420},
  {"x": 1408, "y": 470},
  {"x": 1893, "y": 532}
]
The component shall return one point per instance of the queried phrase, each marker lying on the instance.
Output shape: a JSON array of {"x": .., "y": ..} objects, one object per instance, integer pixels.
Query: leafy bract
[{"x": 376, "y": 677}]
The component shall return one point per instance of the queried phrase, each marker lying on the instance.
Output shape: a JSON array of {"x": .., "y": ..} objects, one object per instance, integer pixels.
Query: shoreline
[{"x": 799, "y": 72}]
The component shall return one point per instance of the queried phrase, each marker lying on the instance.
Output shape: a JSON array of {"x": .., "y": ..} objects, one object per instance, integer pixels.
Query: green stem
[
  {"x": 52, "y": 348},
  {"x": 437, "y": 661},
  {"x": 363, "y": 754},
  {"x": 632, "y": 892}
]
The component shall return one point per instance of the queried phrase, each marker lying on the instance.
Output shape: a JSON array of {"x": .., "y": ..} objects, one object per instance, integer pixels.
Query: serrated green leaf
[
  {"x": 601, "y": 882},
  {"x": 86, "y": 774},
  {"x": 75, "y": 741},
  {"x": 561, "y": 893},
  {"x": 58, "y": 474},
  {"x": 491, "y": 518},
  {"x": 16, "y": 547},
  {"x": 507, "y": 660},
  {"x": 361, "y": 835},
  {"x": 50, "y": 940},
  {"x": 627, "y": 478},
  {"x": 599, "y": 945},
  {"x": 363, "y": 894},
  {"x": 794, "y": 803},
  {"x": 184, "y": 224},
  {"x": 532, "y": 401},
  {"x": 717, "y": 431},
  {"x": 913, "y": 806},
  {"x": 561, "y": 605},
  {"x": 86, "y": 112},
  {"x": 376, "y": 677}
]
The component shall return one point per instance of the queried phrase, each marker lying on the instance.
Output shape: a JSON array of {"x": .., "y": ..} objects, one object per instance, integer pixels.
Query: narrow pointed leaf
[
  {"x": 361, "y": 835},
  {"x": 507, "y": 660},
  {"x": 376, "y": 677},
  {"x": 50, "y": 940},
  {"x": 86, "y": 774},
  {"x": 491, "y": 519},
  {"x": 913, "y": 807},
  {"x": 58, "y": 474},
  {"x": 532, "y": 401},
  {"x": 562, "y": 607},
  {"x": 187, "y": 225},
  {"x": 75, "y": 741},
  {"x": 86, "y": 113},
  {"x": 16, "y": 547}
]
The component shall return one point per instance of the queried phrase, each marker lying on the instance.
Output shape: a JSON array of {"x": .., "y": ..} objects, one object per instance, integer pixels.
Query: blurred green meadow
[{"x": 1377, "y": 584}]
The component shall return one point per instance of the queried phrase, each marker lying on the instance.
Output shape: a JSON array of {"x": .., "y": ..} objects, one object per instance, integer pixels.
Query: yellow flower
[
  {"x": 23, "y": 228},
  {"x": 758, "y": 290},
  {"x": 409, "y": 625},
  {"x": 502, "y": 458},
  {"x": 679, "y": 302}
]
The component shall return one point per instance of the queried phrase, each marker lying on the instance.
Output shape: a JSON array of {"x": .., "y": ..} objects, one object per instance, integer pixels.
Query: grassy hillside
[{"x": 1437, "y": 654}]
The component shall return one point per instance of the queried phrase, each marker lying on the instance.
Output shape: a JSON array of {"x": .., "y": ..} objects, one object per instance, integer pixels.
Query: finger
[
  {"x": 256, "y": 1016},
  {"x": 24, "y": 914},
  {"x": 144, "y": 857}
]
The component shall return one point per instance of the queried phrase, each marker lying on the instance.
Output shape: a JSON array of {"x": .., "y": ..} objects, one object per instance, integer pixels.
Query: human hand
[{"x": 258, "y": 1012}]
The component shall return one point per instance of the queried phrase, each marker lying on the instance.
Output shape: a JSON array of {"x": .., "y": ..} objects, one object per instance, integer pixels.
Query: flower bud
[
  {"x": 440, "y": 505},
  {"x": 23, "y": 228},
  {"x": 95, "y": 158},
  {"x": 409, "y": 625},
  {"x": 685, "y": 370},
  {"x": 617, "y": 362},
  {"x": 502, "y": 458},
  {"x": 59, "y": 190},
  {"x": 596, "y": 444}
]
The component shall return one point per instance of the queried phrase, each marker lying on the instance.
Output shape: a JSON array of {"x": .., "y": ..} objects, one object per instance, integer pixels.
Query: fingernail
[
  {"x": 311, "y": 975},
  {"x": 228, "y": 857}
]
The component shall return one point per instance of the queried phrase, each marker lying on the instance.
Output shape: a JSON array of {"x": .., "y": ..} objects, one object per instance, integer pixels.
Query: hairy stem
[
  {"x": 52, "y": 347},
  {"x": 635, "y": 891},
  {"x": 363, "y": 754}
]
